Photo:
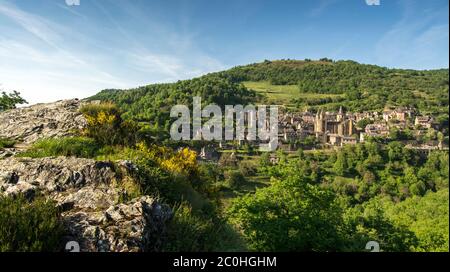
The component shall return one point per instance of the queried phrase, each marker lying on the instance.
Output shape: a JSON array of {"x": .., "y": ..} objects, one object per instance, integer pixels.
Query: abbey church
[{"x": 335, "y": 128}]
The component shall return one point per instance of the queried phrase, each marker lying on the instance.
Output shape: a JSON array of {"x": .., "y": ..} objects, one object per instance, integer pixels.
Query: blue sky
[{"x": 51, "y": 51}]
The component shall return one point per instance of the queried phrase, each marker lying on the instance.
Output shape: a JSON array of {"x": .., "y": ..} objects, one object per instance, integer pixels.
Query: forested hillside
[
  {"x": 366, "y": 87},
  {"x": 153, "y": 102},
  {"x": 339, "y": 201},
  {"x": 357, "y": 87}
]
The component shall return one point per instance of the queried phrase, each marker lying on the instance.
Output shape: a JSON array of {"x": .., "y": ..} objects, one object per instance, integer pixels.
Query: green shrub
[
  {"x": 151, "y": 178},
  {"x": 426, "y": 217},
  {"x": 29, "y": 226},
  {"x": 190, "y": 232},
  {"x": 6, "y": 143},
  {"x": 185, "y": 232},
  {"x": 210, "y": 180},
  {"x": 70, "y": 147},
  {"x": 290, "y": 215},
  {"x": 234, "y": 179}
]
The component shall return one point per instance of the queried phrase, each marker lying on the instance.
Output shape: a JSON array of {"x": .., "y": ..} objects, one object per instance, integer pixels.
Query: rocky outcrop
[
  {"x": 136, "y": 226},
  {"x": 40, "y": 121},
  {"x": 87, "y": 192},
  {"x": 57, "y": 174}
]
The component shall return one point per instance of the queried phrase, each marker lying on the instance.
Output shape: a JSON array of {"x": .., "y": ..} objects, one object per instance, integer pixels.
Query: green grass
[
  {"x": 283, "y": 94},
  {"x": 70, "y": 147}
]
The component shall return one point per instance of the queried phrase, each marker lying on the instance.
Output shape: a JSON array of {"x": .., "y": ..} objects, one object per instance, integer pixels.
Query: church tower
[
  {"x": 319, "y": 122},
  {"x": 340, "y": 115}
]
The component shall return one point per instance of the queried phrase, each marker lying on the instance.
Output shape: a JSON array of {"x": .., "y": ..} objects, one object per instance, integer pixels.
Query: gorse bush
[
  {"x": 29, "y": 226},
  {"x": 105, "y": 125},
  {"x": 103, "y": 122},
  {"x": 161, "y": 171},
  {"x": 169, "y": 174},
  {"x": 70, "y": 147},
  {"x": 93, "y": 109},
  {"x": 182, "y": 162}
]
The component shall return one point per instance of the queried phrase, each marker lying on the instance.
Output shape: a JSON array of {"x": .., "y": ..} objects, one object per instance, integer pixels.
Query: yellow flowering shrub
[
  {"x": 105, "y": 125},
  {"x": 182, "y": 162}
]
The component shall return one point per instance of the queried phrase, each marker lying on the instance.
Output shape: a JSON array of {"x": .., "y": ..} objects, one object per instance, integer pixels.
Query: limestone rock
[
  {"x": 132, "y": 227},
  {"x": 40, "y": 121},
  {"x": 58, "y": 174},
  {"x": 86, "y": 192}
]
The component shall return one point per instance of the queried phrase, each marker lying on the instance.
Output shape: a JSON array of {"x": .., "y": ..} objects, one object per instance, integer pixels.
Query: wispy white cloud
[
  {"x": 45, "y": 68},
  {"x": 37, "y": 26},
  {"x": 171, "y": 55},
  {"x": 164, "y": 64},
  {"x": 170, "y": 68},
  {"x": 48, "y": 59},
  {"x": 43, "y": 76}
]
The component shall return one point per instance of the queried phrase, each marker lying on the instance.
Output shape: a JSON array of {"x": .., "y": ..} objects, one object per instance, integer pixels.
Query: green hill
[
  {"x": 153, "y": 102},
  {"x": 296, "y": 84},
  {"x": 364, "y": 87}
]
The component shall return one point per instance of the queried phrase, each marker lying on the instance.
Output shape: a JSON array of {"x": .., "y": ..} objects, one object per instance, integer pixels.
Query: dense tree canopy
[
  {"x": 290, "y": 215},
  {"x": 389, "y": 194},
  {"x": 153, "y": 102}
]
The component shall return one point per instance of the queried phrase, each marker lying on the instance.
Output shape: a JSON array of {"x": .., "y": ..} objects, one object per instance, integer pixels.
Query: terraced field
[{"x": 283, "y": 94}]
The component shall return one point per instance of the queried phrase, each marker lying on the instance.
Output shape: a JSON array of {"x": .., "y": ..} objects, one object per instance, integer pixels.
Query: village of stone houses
[{"x": 331, "y": 130}]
